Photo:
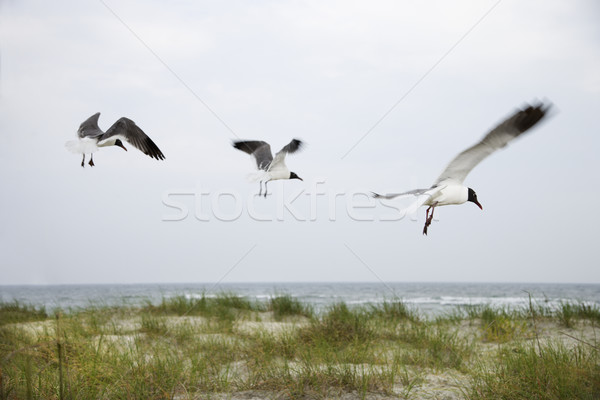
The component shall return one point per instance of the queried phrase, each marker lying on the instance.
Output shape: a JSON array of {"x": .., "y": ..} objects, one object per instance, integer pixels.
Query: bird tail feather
[
  {"x": 257, "y": 176},
  {"x": 81, "y": 147},
  {"x": 415, "y": 205},
  {"x": 73, "y": 146}
]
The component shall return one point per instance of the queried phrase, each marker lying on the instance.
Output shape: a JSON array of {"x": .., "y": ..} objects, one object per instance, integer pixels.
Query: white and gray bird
[
  {"x": 448, "y": 188},
  {"x": 270, "y": 169},
  {"x": 91, "y": 138}
]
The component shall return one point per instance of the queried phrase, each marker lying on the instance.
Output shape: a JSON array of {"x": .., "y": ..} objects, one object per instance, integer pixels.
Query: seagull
[
  {"x": 270, "y": 168},
  {"x": 448, "y": 188},
  {"x": 91, "y": 137}
]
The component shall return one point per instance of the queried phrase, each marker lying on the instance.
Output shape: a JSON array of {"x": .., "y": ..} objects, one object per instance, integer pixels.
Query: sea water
[{"x": 426, "y": 298}]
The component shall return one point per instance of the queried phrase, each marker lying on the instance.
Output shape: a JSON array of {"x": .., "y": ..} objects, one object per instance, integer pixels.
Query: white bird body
[
  {"x": 278, "y": 170},
  {"x": 451, "y": 193},
  {"x": 90, "y": 145},
  {"x": 111, "y": 141},
  {"x": 448, "y": 188}
]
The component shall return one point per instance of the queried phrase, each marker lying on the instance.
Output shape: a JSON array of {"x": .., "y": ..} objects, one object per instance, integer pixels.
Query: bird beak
[
  {"x": 478, "y": 205},
  {"x": 301, "y": 179},
  {"x": 121, "y": 146}
]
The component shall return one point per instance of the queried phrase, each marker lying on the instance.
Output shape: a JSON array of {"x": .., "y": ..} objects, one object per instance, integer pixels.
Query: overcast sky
[{"x": 384, "y": 93}]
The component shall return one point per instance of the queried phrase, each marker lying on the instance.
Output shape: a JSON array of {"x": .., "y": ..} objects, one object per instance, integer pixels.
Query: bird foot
[
  {"x": 91, "y": 163},
  {"x": 428, "y": 220},
  {"x": 427, "y": 223}
]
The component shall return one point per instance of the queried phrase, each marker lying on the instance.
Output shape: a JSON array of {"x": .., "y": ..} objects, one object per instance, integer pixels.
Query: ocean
[{"x": 426, "y": 298}]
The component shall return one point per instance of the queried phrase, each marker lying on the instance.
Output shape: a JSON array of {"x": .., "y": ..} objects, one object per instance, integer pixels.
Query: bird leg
[
  {"x": 83, "y": 161},
  {"x": 429, "y": 218},
  {"x": 266, "y": 188},
  {"x": 260, "y": 191},
  {"x": 91, "y": 160}
]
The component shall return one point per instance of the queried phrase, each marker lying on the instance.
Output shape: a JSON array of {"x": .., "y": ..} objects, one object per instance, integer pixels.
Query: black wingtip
[
  {"x": 297, "y": 145},
  {"x": 293, "y": 146},
  {"x": 152, "y": 150},
  {"x": 531, "y": 115},
  {"x": 237, "y": 144},
  {"x": 244, "y": 145},
  {"x": 249, "y": 146}
]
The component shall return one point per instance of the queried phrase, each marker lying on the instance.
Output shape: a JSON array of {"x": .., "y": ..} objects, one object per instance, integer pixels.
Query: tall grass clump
[
  {"x": 153, "y": 325},
  {"x": 287, "y": 306},
  {"x": 552, "y": 371},
  {"x": 224, "y": 306},
  {"x": 568, "y": 312},
  {"x": 393, "y": 311},
  {"x": 333, "y": 381},
  {"x": 16, "y": 312},
  {"x": 434, "y": 346},
  {"x": 338, "y": 326},
  {"x": 499, "y": 324}
]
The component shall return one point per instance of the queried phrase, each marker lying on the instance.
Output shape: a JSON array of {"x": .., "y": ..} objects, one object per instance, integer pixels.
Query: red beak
[
  {"x": 478, "y": 205},
  {"x": 121, "y": 146}
]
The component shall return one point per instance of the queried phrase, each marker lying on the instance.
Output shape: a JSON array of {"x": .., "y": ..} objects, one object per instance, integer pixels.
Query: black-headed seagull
[
  {"x": 91, "y": 138},
  {"x": 448, "y": 188},
  {"x": 270, "y": 169}
]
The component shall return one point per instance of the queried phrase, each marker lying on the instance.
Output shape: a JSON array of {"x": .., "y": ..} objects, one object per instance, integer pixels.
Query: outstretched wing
[
  {"x": 515, "y": 125},
  {"x": 415, "y": 192},
  {"x": 257, "y": 148},
  {"x": 126, "y": 129},
  {"x": 291, "y": 147},
  {"x": 89, "y": 127},
  {"x": 422, "y": 195}
]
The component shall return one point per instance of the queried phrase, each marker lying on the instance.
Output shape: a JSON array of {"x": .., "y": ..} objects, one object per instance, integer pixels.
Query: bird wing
[
  {"x": 89, "y": 127},
  {"x": 422, "y": 196},
  {"x": 415, "y": 192},
  {"x": 291, "y": 147},
  {"x": 126, "y": 129},
  {"x": 515, "y": 125},
  {"x": 257, "y": 148}
]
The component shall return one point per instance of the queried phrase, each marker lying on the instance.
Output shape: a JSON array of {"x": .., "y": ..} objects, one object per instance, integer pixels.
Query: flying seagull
[
  {"x": 448, "y": 187},
  {"x": 91, "y": 137},
  {"x": 270, "y": 169}
]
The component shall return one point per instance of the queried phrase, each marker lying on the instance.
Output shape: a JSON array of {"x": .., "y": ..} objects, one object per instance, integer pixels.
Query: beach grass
[
  {"x": 284, "y": 305},
  {"x": 14, "y": 312},
  {"x": 227, "y": 346},
  {"x": 554, "y": 371}
]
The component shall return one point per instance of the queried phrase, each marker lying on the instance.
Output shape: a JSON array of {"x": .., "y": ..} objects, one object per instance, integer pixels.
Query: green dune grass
[{"x": 228, "y": 346}]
